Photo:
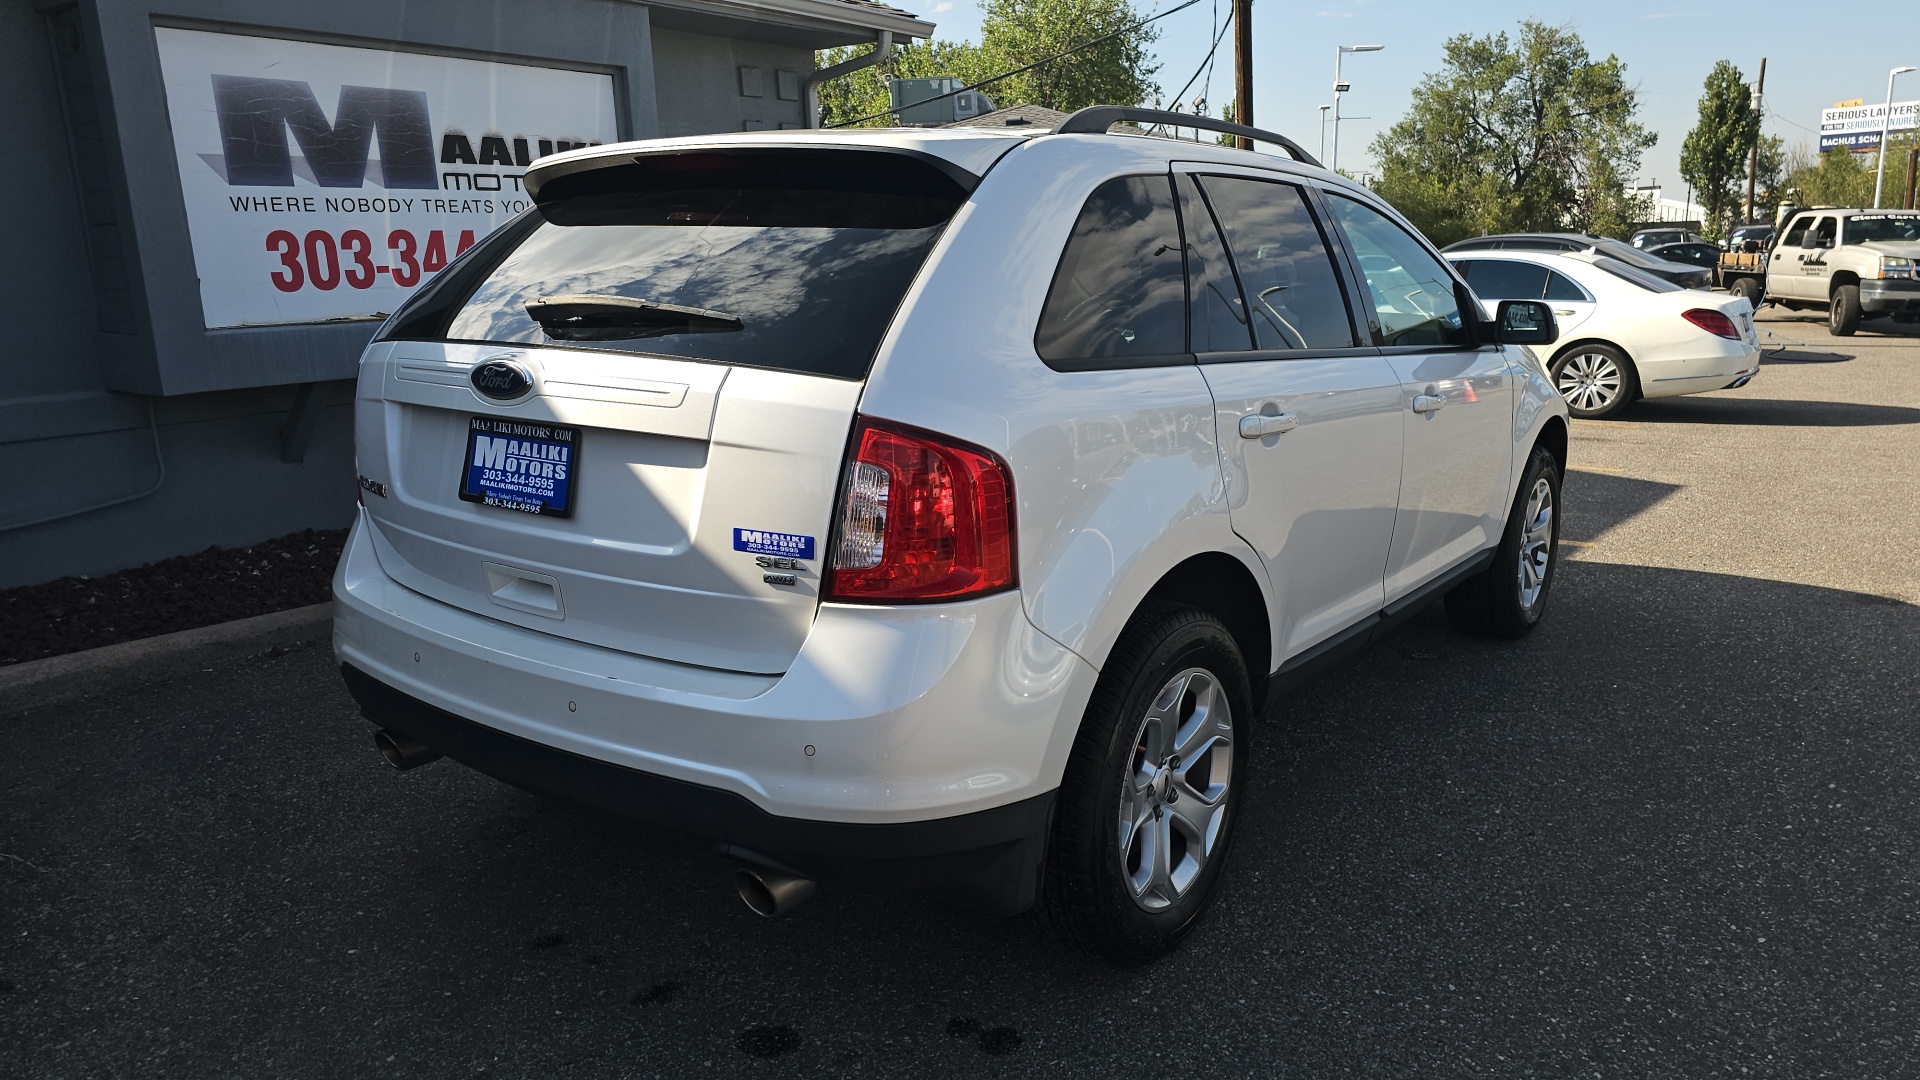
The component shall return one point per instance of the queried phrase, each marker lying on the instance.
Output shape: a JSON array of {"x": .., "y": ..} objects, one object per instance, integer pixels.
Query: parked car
[
  {"x": 884, "y": 506},
  {"x": 1693, "y": 253},
  {"x": 1624, "y": 334},
  {"x": 1759, "y": 234},
  {"x": 1648, "y": 239},
  {"x": 1682, "y": 274}
]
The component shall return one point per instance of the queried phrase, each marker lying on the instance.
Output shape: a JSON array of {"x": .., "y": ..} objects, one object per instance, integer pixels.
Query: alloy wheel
[
  {"x": 1536, "y": 543},
  {"x": 1590, "y": 381},
  {"x": 1173, "y": 798}
]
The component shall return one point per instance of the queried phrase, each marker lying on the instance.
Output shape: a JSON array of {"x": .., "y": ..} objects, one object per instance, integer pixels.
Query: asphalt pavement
[{"x": 1670, "y": 834}]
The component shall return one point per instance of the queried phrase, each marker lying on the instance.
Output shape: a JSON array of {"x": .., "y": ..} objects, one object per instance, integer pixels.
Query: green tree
[
  {"x": 1013, "y": 34},
  {"x": 1714, "y": 157},
  {"x": 1835, "y": 178},
  {"x": 1515, "y": 134}
]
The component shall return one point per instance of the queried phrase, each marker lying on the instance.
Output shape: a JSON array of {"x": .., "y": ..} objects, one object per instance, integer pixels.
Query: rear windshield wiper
[{"x": 619, "y": 318}]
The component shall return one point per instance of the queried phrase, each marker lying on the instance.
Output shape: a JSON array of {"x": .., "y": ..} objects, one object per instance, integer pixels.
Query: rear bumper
[
  {"x": 1890, "y": 295},
  {"x": 989, "y": 858},
  {"x": 925, "y": 737}
]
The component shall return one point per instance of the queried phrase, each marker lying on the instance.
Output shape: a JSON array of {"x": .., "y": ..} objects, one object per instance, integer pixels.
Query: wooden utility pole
[
  {"x": 1243, "y": 67},
  {"x": 1753, "y": 156}
]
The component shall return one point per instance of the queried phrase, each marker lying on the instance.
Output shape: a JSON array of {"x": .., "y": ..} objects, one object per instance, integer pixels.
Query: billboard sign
[
  {"x": 326, "y": 182},
  {"x": 1857, "y": 127}
]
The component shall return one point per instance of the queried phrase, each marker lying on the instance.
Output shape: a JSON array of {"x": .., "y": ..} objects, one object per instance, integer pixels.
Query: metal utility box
[{"x": 933, "y": 102}]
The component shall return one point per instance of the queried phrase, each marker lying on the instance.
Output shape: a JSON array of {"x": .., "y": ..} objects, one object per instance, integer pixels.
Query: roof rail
[{"x": 1096, "y": 119}]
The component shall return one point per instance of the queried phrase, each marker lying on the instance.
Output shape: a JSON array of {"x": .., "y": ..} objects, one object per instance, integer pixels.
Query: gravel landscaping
[{"x": 181, "y": 593}]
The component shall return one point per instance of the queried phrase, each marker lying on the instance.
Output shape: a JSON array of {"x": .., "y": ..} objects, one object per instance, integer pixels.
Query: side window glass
[
  {"x": 1823, "y": 233},
  {"x": 1506, "y": 279},
  {"x": 1219, "y": 314},
  {"x": 1797, "y": 233},
  {"x": 1293, "y": 293},
  {"x": 1559, "y": 288},
  {"x": 1120, "y": 291},
  {"x": 1413, "y": 294}
]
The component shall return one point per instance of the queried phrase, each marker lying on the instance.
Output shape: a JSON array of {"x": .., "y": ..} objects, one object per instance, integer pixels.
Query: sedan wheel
[
  {"x": 1596, "y": 381},
  {"x": 1536, "y": 542}
]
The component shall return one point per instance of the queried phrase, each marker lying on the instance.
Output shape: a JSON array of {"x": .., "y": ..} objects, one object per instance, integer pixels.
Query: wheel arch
[
  {"x": 1223, "y": 586},
  {"x": 1553, "y": 439},
  {"x": 1839, "y": 278}
]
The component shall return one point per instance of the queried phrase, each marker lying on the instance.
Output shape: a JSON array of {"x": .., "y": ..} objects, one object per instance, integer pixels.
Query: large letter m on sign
[{"x": 255, "y": 115}]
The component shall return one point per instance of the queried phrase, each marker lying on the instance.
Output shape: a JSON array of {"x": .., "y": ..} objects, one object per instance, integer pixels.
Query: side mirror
[{"x": 1526, "y": 322}]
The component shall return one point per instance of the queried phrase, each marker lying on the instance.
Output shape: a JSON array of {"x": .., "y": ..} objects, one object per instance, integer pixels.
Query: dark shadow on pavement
[
  {"x": 1803, "y": 355},
  {"x": 1670, "y": 833},
  {"x": 1767, "y": 412},
  {"x": 1595, "y": 502}
]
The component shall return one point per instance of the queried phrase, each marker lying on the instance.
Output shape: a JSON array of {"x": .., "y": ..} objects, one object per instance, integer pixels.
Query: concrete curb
[{"x": 39, "y": 683}]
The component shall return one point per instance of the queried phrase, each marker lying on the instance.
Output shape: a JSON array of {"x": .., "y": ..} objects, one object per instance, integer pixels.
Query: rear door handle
[
  {"x": 1260, "y": 425},
  {"x": 1563, "y": 311},
  {"x": 1427, "y": 403}
]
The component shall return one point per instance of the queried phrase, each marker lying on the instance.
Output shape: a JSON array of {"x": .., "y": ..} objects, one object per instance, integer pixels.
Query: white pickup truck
[{"x": 1857, "y": 264}]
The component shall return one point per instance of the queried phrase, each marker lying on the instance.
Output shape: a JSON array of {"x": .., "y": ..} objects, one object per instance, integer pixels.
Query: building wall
[
  {"x": 706, "y": 83},
  {"x": 129, "y": 432}
]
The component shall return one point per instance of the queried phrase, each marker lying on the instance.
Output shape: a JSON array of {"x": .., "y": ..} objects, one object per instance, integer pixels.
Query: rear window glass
[
  {"x": 1635, "y": 275},
  {"x": 775, "y": 258},
  {"x": 1120, "y": 292}
]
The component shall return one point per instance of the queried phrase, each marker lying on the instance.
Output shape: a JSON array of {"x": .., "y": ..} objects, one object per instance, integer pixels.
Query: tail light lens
[
  {"x": 921, "y": 518},
  {"x": 1713, "y": 322}
]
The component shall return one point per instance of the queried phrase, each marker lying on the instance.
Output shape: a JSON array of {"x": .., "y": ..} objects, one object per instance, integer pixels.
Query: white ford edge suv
[{"x": 935, "y": 509}]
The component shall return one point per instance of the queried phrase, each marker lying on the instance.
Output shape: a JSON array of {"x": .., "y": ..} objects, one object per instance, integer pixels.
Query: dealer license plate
[{"x": 520, "y": 466}]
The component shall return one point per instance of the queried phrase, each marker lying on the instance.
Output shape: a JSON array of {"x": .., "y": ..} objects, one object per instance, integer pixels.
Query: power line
[
  {"x": 1206, "y": 65},
  {"x": 1022, "y": 70}
]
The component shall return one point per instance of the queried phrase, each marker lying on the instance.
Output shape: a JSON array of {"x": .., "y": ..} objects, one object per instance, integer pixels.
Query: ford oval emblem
[{"x": 501, "y": 380}]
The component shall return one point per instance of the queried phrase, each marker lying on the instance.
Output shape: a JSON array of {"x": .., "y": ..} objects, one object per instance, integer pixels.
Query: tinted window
[
  {"x": 1413, "y": 294},
  {"x": 1292, "y": 291},
  {"x": 1824, "y": 232},
  {"x": 784, "y": 259},
  {"x": 1796, "y": 233},
  {"x": 1635, "y": 275},
  {"x": 1219, "y": 315},
  {"x": 1120, "y": 291},
  {"x": 1560, "y": 288},
  {"x": 1505, "y": 279}
]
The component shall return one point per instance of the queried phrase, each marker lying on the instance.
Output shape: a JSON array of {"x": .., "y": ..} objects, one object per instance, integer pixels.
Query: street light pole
[
  {"x": 1339, "y": 88},
  {"x": 1323, "y": 131},
  {"x": 1880, "y": 174}
]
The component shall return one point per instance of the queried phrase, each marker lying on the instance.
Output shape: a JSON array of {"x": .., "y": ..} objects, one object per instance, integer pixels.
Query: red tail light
[
  {"x": 1713, "y": 322},
  {"x": 921, "y": 518}
]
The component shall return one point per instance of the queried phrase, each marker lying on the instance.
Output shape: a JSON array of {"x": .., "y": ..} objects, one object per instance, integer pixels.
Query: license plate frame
[{"x": 527, "y": 467}]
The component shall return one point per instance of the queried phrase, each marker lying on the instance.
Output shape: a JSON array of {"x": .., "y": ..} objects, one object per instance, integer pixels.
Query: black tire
[
  {"x": 1601, "y": 397},
  {"x": 1494, "y": 603},
  {"x": 1087, "y": 898},
  {"x": 1749, "y": 288},
  {"x": 1843, "y": 312}
]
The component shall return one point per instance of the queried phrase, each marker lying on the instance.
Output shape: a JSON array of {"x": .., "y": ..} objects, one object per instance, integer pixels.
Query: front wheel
[
  {"x": 1843, "y": 313},
  {"x": 1148, "y": 804},
  {"x": 1597, "y": 380},
  {"x": 1507, "y": 599},
  {"x": 1749, "y": 288}
]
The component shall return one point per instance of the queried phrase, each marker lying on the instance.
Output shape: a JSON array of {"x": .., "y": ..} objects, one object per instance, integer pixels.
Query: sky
[{"x": 1668, "y": 47}]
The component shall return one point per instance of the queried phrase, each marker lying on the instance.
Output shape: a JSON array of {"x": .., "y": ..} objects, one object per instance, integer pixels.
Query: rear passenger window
[
  {"x": 1559, "y": 288},
  {"x": 1293, "y": 293},
  {"x": 1219, "y": 312},
  {"x": 1120, "y": 293},
  {"x": 1505, "y": 279}
]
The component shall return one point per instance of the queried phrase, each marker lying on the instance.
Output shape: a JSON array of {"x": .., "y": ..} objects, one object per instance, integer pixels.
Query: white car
[
  {"x": 1624, "y": 334},
  {"x": 933, "y": 508}
]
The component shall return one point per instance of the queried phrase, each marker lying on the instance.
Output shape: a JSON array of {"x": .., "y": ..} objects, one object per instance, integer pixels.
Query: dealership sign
[
  {"x": 324, "y": 182},
  {"x": 1857, "y": 127}
]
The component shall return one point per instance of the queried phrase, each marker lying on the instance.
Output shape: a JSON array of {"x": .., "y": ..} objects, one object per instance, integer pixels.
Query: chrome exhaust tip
[
  {"x": 403, "y": 753},
  {"x": 769, "y": 892}
]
